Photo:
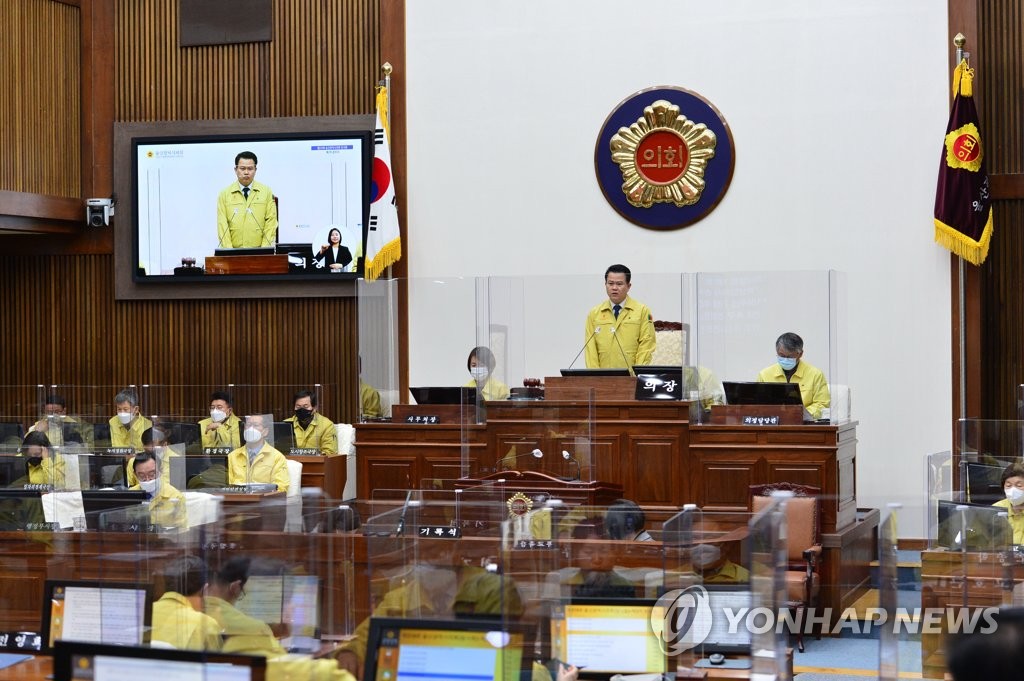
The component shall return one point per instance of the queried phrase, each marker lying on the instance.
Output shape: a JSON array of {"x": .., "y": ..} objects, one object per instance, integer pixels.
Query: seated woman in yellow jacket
[{"x": 481, "y": 365}]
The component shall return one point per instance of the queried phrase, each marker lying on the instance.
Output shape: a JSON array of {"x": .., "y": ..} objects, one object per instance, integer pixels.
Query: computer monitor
[
  {"x": 444, "y": 395},
  {"x": 408, "y": 649},
  {"x": 978, "y": 527},
  {"x": 284, "y": 599},
  {"x": 734, "y": 598},
  {"x": 596, "y": 372},
  {"x": 608, "y": 636},
  {"x": 761, "y": 393},
  {"x": 73, "y": 661},
  {"x": 256, "y": 250},
  {"x": 118, "y": 613},
  {"x": 284, "y": 436},
  {"x": 983, "y": 482}
]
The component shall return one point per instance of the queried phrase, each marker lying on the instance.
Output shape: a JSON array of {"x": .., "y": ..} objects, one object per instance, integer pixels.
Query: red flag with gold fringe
[{"x": 963, "y": 210}]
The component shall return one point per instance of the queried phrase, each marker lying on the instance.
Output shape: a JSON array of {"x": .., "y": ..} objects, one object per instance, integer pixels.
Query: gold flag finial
[
  {"x": 386, "y": 68},
  {"x": 960, "y": 40}
]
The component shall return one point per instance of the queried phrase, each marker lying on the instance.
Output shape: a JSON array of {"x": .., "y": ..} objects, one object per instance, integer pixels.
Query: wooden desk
[
  {"x": 950, "y": 579},
  {"x": 329, "y": 473},
  {"x": 36, "y": 669}
]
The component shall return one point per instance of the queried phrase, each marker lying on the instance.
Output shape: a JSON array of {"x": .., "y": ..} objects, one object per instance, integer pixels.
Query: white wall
[{"x": 837, "y": 111}]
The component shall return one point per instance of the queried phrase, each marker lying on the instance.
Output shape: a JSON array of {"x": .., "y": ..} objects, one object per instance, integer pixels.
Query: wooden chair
[{"x": 803, "y": 551}]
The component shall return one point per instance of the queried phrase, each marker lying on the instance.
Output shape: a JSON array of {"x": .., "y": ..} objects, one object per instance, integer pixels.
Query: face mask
[
  {"x": 1015, "y": 495},
  {"x": 787, "y": 363},
  {"x": 304, "y": 415},
  {"x": 150, "y": 486},
  {"x": 478, "y": 373},
  {"x": 35, "y": 460},
  {"x": 252, "y": 435},
  {"x": 216, "y": 415},
  {"x": 124, "y": 417}
]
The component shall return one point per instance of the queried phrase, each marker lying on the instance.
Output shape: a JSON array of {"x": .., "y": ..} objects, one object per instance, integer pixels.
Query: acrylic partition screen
[
  {"x": 740, "y": 316},
  {"x": 378, "y": 347}
]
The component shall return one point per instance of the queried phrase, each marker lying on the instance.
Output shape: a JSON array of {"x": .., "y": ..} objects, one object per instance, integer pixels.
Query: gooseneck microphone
[{"x": 597, "y": 329}]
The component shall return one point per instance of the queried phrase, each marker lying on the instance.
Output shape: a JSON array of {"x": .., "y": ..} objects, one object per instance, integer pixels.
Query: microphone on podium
[
  {"x": 623, "y": 353},
  {"x": 597, "y": 329},
  {"x": 569, "y": 457},
  {"x": 508, "y": 463}
]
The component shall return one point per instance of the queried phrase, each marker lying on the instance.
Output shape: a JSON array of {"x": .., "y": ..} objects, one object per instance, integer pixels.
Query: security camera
[{"x": 98, "y": 212}]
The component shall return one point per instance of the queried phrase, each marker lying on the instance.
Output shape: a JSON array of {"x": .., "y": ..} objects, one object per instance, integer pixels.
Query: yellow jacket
[
  {"x": 813, "y": 386},
  {"x": 49, "y": 472},
  {"x": 227, "y": 434},
  {"x": 493, "y": 389},
  {"x": 165, "y": 467},
  {"x": 320, "y": 434},
  {"x": 634, "y": 331},
  {"x": 175, "y": 621},
  {"x": 369, "y": 400},
  {"x": 247, "y": 635},
  {"x": 246, "y": 224},
  {"x": 269, "y": 465},
  {"x": 1014, "y": 514},
  {"x": 130, "y": 435},
  {"x": 167, "y": 508}
]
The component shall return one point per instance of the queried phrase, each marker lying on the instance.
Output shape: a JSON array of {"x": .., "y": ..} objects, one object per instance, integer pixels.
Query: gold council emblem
[{"x": 663, "y": 156}]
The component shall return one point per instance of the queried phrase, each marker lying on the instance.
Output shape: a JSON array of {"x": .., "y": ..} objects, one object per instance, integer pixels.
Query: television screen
[{"x": 304, "y": 215}]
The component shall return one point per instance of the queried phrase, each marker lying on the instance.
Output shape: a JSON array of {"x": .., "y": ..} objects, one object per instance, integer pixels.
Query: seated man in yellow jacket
[
  {"x": 55, "y": 422},
  {"x": 620, "y": 331},
  {"x": 256, "y": 460},
  {"x": 166, "y": 504},
  {"x": 790, "y": 368},
  {"x": 127, "y": 425},
  {"x": 178, "y": 617},
  {"x": 155, "y": 443},
  {"x": 247, "y": 635},
  {"x": 311, "y": 429},
  {"x": 223, "y": 428}
]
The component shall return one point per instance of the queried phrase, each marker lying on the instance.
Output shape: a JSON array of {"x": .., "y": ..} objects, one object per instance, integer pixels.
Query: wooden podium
[
  {"x": 247, "y": 264},
  {"x": 531, "y": 483},
  {"x": 757, "y": 415}
]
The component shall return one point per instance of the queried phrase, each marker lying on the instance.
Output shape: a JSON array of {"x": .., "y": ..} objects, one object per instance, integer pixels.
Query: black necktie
[
  {"x": 245, "y": 193},
  {"x": 616, "y": 309}
]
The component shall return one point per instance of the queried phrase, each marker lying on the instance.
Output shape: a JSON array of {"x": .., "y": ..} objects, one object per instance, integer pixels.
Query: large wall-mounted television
[{"x": 184, "y": 229}]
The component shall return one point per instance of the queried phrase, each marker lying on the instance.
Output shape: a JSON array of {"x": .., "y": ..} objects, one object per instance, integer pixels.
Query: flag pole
[
  {"x": 959, "y": 40},
  {"x": 386, "y": 68}
]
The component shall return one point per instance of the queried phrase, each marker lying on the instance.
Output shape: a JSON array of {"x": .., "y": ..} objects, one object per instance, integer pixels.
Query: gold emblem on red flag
[
  {"x": 663, "y": 156},
  {"x": 963, "y": 148}
]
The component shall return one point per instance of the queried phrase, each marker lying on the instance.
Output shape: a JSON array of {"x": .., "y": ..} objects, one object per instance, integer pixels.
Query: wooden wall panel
[
  {"x": 998, "y": 56},
  {"x": 40, "y": 138},
  {"x": 323, "y": 61},
  {"x": 62, "y": 326}
]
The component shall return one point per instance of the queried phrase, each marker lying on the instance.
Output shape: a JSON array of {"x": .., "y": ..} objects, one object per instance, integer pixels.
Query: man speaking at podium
[
  {"x": 246, "y": 212},
  {"x": 620, "y": 331}
]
